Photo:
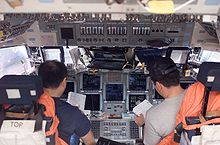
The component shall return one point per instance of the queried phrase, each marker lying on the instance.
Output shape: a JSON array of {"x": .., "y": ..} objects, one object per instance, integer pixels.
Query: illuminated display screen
[
  {"x": 92, "y": 102},
  {"x": 114, "y": 92},
  {"x": 137, "y": 82},
  {"x": 91, "y": 82}
]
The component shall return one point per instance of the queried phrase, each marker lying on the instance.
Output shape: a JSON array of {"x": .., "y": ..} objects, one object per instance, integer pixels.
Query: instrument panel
[
  {"x": 126, "y": 33},
  {"x": 116, "y": 129}
]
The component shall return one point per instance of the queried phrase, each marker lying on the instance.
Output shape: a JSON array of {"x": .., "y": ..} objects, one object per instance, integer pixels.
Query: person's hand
[{"x": 139, "y": 119}]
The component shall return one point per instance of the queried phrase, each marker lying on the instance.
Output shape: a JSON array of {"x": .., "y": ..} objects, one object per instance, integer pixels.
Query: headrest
[
  {"x": 20, "y": 89},
  {"x": 209, "y": 75}
]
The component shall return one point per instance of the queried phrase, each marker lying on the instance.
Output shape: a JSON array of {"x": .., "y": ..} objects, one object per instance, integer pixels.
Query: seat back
[
  {"x": 200, "y": 97},
  {"x": 20, "y": 89},
  {"x": 21, "y": 117},
  {"x": 201, "y": 104},
  {"x": 208, "y": 74}
]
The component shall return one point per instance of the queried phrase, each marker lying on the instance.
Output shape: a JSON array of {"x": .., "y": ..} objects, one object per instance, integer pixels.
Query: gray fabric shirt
[{"x": 160, "y": 120}]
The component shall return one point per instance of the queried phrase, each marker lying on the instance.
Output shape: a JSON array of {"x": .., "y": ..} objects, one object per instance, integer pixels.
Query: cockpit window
[{"x": 210, "y": 56}]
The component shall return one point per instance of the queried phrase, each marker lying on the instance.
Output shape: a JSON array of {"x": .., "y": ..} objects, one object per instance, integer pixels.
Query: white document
[
  {"x": 76, "y": 99},
  {"x": 20, "y": 125},
  {"x": 142, "y": 108},
  {"x": 196, "y": 140},
  {"x": 21, "y": 132},
  {"x": 210, "y": 135}
]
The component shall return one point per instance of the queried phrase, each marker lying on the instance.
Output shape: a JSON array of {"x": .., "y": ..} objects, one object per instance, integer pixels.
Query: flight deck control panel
[
  {"x": 107, "y": 95},
  {"x": 134, "y": 31},
  {"x": 111, "y": 96},
  {"x": 122, "y": 130}
]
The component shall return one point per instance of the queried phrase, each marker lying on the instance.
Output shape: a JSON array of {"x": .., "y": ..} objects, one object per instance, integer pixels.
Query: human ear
[
  {"x": 158, "y": 86},
  {"x": 63, "y": 83}
]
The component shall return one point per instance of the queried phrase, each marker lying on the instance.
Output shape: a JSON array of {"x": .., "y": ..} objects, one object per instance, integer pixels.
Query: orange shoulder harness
[
  {"x": 191, "y": 106},
  {"x": 49, "y": 104}
]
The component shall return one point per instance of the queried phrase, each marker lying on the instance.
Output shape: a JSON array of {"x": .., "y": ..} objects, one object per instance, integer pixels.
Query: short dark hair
[
  {"x": 52, "y": 73},
  {"x": 164, "y": 71}
]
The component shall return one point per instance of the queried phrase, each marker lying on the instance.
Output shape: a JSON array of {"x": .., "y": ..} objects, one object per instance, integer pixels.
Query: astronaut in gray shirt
[{"x": 160, "y": 120}]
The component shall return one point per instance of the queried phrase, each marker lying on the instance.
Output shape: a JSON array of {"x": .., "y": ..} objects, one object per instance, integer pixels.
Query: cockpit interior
[{"x": 106, "y": 46}]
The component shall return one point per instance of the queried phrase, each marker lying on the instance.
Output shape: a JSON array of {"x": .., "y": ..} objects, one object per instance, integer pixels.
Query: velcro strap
[
  {"x": 213, "y": 114},
  {"x": 177, "y": 132},
  {"x": 209, "y": 114},
  {"x": 202, "y": 118},
  {"x": 18, "y": 115}
]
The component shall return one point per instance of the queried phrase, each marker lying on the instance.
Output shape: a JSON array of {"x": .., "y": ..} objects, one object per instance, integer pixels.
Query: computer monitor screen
[
  {"x": 69, "y": 88},
  {"x": 53, "y": 53},
  {"x": 15, "y": 60},
  {"x": 91, "y": 82},
  {"x": 137, "y": 82},
  {"x": 92, "y": 102},
  {"x": 135, "y": 99},
  {"x": 114, "y": 92}
]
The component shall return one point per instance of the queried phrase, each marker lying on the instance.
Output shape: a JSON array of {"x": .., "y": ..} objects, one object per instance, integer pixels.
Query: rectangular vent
[
  {"x": 173, "y": 31},
  {"x": 114, "y": 77}
]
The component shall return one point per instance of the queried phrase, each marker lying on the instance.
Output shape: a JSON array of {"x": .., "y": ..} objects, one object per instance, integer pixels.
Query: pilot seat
[
  {"x": 21, "y": 117},
  {"x": 200, "y": 109}
]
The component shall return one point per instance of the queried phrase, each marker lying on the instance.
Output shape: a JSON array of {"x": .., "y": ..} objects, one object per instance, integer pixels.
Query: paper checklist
[
  {"x": 142, "y": 108},
  {"x": 76, "y": 99}
]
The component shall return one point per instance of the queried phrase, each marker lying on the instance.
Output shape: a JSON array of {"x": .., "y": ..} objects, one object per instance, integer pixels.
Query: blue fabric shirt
[{"x": 72, "y": 120}]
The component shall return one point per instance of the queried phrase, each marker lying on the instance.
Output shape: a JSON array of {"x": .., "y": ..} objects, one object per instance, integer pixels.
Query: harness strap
[{"x": 2, "y": 116}]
